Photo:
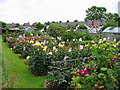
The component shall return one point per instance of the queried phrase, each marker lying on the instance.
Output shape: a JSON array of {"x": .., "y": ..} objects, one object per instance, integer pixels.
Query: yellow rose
[
  {"x": 31, "y": 42},
  {"x": 28, "y": 57},
  {"x": 61, "y": 45},
  {"x": 92, "y": 41},
  {"x": 37, "y": 44},
  {"x": 44, "y": 49}
]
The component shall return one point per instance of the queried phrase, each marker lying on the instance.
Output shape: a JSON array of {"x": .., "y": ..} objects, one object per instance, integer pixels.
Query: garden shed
[{"x": 112, "y": 33}]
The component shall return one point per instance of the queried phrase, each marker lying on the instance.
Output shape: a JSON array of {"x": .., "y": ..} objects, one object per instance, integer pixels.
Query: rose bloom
[
  {"x": 112, "y": 59},
  {"x": 83, "y": 72}
]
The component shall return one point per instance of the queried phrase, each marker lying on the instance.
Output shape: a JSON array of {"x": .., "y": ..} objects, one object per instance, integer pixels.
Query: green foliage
[
  {"x": 27, "y": 33},
  {"x": 17, "y": 25},
  {"x": 39, "y": 26},
  {"x": 2, "y": 24},
  {"x": 76, "y": 35},
  {"x": 39, "y": 62},
  {"x": 82, "y": 27},
  {"x": 111, "y": 16},
  {"x": 96, "y": 13},
  {"x": 112, "y": 23},
  {"x": 36, "y": 32}
]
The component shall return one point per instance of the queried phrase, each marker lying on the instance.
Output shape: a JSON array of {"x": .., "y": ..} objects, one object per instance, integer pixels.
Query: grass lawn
[
  {"x": 0, "y": 60},
  {"x": 16, "y": 74}
]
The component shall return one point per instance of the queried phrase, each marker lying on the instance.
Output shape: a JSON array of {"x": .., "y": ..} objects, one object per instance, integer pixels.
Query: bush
[
  {"x": 36, "y": 32},
  {"x": 82, "y": 27}
]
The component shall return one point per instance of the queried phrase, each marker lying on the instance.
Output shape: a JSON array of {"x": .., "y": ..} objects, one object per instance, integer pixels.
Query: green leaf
[
  {"x": 100, "y": 75},
  {"x": 73, "y": 72},
  {"x": 104, "y": 69},
  {"x": 78, "y": 86}
]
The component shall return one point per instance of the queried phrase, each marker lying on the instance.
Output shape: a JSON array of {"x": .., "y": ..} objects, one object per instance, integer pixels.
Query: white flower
[
  {"x": 66, "y": 57},
  {"x": 50, "y": 53},
  {"x": 54, "y": 47},
  {"x": 114, "y": 40},
  {"x": 37, "y": 42},
  {"x": 70, "y": 49},
  {"x": 20, "y": 36},
  {"x": 108, "y": 38},
  {"x": 81, "y": 46},
  {"x": 67, "y": 40},
  {"x": 104, "y": 39},
  {"x": 80, "y": 39},
  {"x": 73, "y": 39}
]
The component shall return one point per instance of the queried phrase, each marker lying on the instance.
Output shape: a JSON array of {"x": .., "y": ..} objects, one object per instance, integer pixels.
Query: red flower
[
  {"x": 83, "y": 72},
  {"x": 112, "y": 59},
  {"x": 118, "y": 56},
  {"x": 75, "y": 74},
  {"x": 89, "y": 68}
]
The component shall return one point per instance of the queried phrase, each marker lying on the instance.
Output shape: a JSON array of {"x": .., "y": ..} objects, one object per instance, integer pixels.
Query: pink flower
[
  {"x": 83, "y": 72},
  {"x": 112, "y": 59}
]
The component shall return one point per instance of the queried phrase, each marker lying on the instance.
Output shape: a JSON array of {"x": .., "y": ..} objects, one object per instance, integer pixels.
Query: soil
[{"x": 21, "y": 57}]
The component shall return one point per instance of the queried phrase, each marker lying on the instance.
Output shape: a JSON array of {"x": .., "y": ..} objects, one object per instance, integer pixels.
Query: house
[
  {"x": 26, "y": 24},
  {"x": 87, "y": 23},
  {"x": 11, "y": 24},
  {"x": 112, "y": 33},
  {"x": 29, "y": 28}
]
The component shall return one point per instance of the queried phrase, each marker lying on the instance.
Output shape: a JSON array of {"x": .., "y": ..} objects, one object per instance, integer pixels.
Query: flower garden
[{"x": 81, "y": 62}]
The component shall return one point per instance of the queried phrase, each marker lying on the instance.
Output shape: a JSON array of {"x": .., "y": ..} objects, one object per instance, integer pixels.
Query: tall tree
[
  {"x": 111, "y": 16},
  {"x": 95, "y": 13},
  {"x": 17, "y": 25},
  {"x": 39, "y": 26}
]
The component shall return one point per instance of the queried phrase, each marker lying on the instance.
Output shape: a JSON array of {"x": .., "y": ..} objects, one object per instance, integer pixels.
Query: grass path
[{"x": 16, "y": 74}]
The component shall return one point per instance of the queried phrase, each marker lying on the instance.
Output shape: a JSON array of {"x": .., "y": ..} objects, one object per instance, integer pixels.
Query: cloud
[{"x": 49, "y": 10}]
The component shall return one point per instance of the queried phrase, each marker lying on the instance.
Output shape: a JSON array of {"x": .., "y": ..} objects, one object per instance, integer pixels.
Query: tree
[
  {"x": 2, "y": 24},
  {"x": 95, "y": 13},
  {"x": 39, "y": 26},
  {"x": 111, "y": 16},
  {"x": 17, "y": 25},
  {"x": 112, "y": 23}
]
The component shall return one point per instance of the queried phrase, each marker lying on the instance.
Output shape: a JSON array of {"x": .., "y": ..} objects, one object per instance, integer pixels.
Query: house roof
[
  {"x": 88, "y": 23},
  {"x": 26, "y": 24},
  {"x": 112, "y": 30},
  {"x": 11, "y": 24},
  {"x": 95, "y": 26}
]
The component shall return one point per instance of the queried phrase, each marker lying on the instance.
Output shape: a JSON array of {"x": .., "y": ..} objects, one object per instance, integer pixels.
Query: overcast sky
[{"x": 21, "y": 11}]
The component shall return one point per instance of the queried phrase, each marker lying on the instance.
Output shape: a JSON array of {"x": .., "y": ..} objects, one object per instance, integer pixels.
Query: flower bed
[{"x": 76, "y": 63}]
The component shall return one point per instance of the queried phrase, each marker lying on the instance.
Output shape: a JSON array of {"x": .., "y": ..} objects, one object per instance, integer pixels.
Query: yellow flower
[
  {"x": 44, "y": 49},
  {"x": 28, "y": 57},
  {"x": 42, "y": 46},
  {"x": 100, "y": 40},
  {"x": 55, "y": 50},
  {"x": 117, "y": 43},
  {"x": 37, "y": 44},
  {"x": 31, "y": 42},
  {"x": 61, "y": 45},
  {"x": 92, "y": 41}
]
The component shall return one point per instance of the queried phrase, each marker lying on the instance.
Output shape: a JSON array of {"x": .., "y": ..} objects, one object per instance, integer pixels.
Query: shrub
[{"x": 82, "y": 27}]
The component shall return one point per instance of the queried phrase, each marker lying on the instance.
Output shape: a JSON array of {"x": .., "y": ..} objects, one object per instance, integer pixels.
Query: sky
[{"x": 23, "y": 11}]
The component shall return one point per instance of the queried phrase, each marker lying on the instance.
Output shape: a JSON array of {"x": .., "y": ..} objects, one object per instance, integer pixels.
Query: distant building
[
  {"x": 11, "y": 24},
  {"x": 88, "y": 23},
  {"x": 26, "y": 24},
  {"x": 119, "y": 8}
]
